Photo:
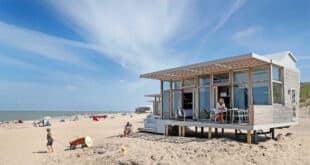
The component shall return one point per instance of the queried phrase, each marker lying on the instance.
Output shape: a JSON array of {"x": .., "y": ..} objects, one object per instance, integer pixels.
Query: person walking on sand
[{"x": 49, "y": 140}]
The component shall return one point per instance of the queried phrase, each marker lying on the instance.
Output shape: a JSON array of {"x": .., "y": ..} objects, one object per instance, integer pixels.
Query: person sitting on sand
[
  {"x": 220, "y": 108},
  {"x": 49, "y": 140},
  {"x": 76, "y": 118},
  {"x": 127, "y": 129}
]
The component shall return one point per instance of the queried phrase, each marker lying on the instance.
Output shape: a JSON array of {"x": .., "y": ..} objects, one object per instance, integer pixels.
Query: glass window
[
  {"x": 241, "y": 96},
  {"x": 204, "y": 81},
  {"x": 166, "y": 85},
  {"x": 241, "y": 76},
  {"x": 221, "y": 78},
  {"x": 260, "y": 93},
  {"x": 189, "y": 82},
  {"x": 204, "y": 103},
  {"x": 177, "y": 104},
  {"x": 260, "y": 74},
  {"x": 166, "y": 104},
  {"x": 176, "y": 84},
  {"x": 276, "y": 73},
  {"x": 277, "y": 93}
]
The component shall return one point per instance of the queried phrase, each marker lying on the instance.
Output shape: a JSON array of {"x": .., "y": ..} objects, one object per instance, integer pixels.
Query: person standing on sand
[{"x": 49, "y": 140}]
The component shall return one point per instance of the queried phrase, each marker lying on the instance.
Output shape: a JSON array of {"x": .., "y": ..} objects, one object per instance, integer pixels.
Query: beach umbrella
[
  {"x": 88, "y": 141},
  {"x": 47, "y": 118}
]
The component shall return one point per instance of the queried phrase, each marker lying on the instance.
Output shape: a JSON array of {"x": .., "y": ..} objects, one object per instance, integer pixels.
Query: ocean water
[{"x": 35, "y": 115}]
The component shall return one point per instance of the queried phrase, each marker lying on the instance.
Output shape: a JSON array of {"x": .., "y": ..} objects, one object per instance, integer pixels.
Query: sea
[{"x": 35, "y": 115}]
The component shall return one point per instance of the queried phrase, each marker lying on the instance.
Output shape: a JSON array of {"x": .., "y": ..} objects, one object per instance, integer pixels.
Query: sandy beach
[{"x": 25, "y": 144}]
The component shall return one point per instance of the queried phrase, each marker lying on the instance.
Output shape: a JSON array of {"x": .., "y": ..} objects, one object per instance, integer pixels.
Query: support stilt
[
  {"x": 272, "y": 133},
  {"x": 222, "y": 132},
  {"x": 201, "y": 131},
  {"x": 180, "y": 130},
  {"x": 216, "y": 132},
  {"x": 196, "y": 130},
  {"x": 255, "y": 137},
  {"x": 210, "y": 133},
  {"x": 249, "y": 137}
]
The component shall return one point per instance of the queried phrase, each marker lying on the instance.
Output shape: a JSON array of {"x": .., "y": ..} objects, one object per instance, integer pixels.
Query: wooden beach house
[{"x": 260, "y": 93}]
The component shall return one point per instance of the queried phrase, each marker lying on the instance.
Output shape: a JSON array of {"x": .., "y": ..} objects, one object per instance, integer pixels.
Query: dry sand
[{"x": 24, "y": 144}]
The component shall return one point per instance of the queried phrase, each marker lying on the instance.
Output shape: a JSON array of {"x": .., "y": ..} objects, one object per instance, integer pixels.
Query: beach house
[{"x": 261, "y": 92}]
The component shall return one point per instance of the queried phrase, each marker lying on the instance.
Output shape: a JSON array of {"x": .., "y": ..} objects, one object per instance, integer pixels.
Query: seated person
[
  {"x": 220, "y": 107},
  {"x": 127, "y": 129}
]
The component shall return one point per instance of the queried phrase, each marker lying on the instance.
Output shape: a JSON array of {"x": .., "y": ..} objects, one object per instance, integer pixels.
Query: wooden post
[
  {"x": 210, "y": 133},
  {"x": 222, "y": 132},
  {"x": 216, "y": 132},
  {"x": 255, "y": 137},
  {"x": 166, "y": 130},
  {"x": 183, "y": 131},
  {"x": 180, "y": 130},
  {"x": 249, "y": 137},
  {"x": 201, "y": 130},
  {"x": 236, "y": 133},
  {"x": 170, "y": 100},
  {"x": 162, "y": 97},
  {"x": 196, "y": 129},
  {"x": 272, "y": 133}
]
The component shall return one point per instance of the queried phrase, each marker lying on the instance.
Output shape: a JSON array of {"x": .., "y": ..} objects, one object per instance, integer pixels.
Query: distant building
[{"x": 143, "y": 109}]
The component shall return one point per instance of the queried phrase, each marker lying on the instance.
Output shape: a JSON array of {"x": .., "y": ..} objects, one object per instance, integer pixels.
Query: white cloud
[
  {"x": 248, "y": 32},
  {"x": 135, "y": 34},
  {"x": 226, "y": 16},
  {"x": 41, "y": 44}
]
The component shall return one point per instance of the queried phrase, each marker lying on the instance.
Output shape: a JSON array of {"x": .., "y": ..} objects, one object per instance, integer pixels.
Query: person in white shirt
[{"x": 220, "y": 107}]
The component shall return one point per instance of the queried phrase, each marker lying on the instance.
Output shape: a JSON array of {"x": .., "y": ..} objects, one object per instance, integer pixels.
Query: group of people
[{"x": 50, "y": 139}]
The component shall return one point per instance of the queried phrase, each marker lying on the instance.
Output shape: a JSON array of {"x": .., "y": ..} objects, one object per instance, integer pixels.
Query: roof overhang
[
  {"x": 226, "y": 64},
  {"x": 152, "y": 95}
]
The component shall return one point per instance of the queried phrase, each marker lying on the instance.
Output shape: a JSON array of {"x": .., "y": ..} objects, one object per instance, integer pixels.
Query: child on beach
[
  {"x": 127, "y": 129},
  {"x": 49, "y": 140}
]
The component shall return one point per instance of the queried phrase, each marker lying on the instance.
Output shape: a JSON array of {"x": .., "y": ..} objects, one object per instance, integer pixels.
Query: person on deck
[
  {"x": 220, "y": 107},
  {"x": 127, "y": 129}
]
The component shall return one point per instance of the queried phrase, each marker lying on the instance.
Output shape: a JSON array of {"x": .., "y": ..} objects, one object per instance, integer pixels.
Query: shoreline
[{"x": 65, "y": 114}]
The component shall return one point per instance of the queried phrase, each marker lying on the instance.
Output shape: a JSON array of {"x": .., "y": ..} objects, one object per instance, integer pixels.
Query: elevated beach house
[{"x": 260, "y": 93}]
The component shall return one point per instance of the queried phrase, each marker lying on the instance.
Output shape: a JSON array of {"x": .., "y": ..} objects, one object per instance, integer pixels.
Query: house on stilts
[{"x": 261, "y": 92}]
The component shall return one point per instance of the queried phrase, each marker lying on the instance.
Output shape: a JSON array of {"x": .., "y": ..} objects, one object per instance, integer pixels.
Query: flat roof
[
  {"x": 152, "y": 95},
  {"x": 225, "y": 64}
]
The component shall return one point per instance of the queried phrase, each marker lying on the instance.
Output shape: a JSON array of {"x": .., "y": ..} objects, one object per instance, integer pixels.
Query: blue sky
[{"x": 87, "y": 54}]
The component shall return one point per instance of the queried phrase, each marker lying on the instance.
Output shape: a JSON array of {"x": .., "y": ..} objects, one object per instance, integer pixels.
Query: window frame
[
  {"x": 281, "y": 75},
  {"x": 259, "y": 81}
]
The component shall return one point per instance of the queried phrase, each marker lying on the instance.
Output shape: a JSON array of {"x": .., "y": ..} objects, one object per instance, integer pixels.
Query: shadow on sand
[
  {"x": 191, "y": 136},
  {"x": 40, "y": 152}
]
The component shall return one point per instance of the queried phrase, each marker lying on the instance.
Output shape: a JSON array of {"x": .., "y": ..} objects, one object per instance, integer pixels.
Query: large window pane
[
  {"x": 166, "y": 104},
  {"x": 166, "y": 85},
  {"x": 260, "y": 74},
  {"x": 189, "y": 82},
  {"x": 241, "y": 76},
  {"x": 177, "y": 104},
  {"x": 221, "y": 78},
  {"x": 276, "y": 73},
  {"x": 176, "y": 84},
  {"x": 204, "y": 103},
  {"x": 277, "y": 93},
  {"x": 241, "y": 96},
  {"x": 204, "y": 81},
  {"x": 260, "y": 94}
]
